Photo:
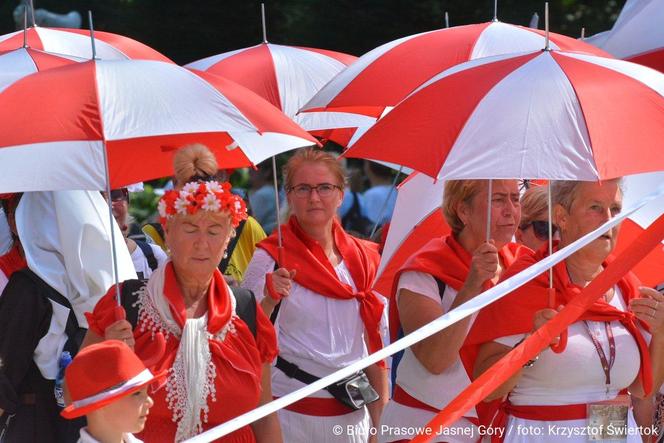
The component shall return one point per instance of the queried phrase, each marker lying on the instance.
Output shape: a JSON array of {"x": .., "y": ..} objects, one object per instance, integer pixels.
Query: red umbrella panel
[
  {"x": 18, "y": 63},
  {"x": 77, "y": 42},
  {"x": 61, "y": 123},
  {"x": 417, "y": 218},
  {"x": 286, "y": 76},
  {"x": 386, "y": 75},
  {"x": 544, "y": 114},
  {"x": 650, "y": 270},
  {"x": 637, "y": 35}
]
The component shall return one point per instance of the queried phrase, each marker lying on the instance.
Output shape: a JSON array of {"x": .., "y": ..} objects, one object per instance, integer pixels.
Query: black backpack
[
  {"x": 74, "y": 332},
  {"x": 245, "y": 307},
  {"x": 354, "y": 222}
]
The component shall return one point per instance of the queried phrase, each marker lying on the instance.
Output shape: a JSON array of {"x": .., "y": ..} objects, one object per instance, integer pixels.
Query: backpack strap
[
  {"x": 231, "y": 247},
  {"x": 148, "y": 253},
  {"x": 354, "y": 210},
  {"x": 245, "y": 307},
  {"x": 74, "y": 332}
]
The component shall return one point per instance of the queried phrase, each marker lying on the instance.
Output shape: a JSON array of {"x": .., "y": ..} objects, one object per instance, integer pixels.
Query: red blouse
[{"x": 238, "y": 359}]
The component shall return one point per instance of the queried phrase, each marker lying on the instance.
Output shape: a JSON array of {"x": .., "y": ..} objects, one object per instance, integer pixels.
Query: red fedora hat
[{"x": 102, "y": 373}]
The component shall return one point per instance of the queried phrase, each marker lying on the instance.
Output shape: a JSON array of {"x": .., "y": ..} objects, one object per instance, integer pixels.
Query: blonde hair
[
  {"x": 533, "y": 204},
  {"x": 191, "y": 161},
  {"x": 459, "y": 191},
  {"x": 313, "y": 155}
]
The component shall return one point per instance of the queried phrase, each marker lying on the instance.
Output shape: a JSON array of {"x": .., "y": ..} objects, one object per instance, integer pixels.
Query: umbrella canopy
[
  {"x": 77, "y": 42},
  {"x": 637, "y": 35},
  {"x": 286, "y": 76},
  {"x": 650, "y": 270},
  {"x": 16, "y": 64},
  {"x": 543, "y": 114},
  {"x": 417, "y": 218},
  {"x": 384, "y": 76},
  {"x": 60, "y": 124}
]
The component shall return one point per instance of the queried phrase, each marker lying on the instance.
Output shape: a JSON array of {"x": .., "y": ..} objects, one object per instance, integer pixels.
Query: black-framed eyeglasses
[
  {"x": 324, "y": 190},
  {"x": 540, "y": 229}
]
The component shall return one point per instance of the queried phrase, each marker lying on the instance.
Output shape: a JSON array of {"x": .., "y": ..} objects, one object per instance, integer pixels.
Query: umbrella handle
[
  {"x": 562, "y": 344},
  {"x": 119, "y": 313},
  {"x": 281, "y": 256},
  {"x": 160, "y": 342}
]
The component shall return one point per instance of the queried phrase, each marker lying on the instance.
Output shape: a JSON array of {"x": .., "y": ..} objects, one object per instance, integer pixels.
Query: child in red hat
[{"x": 108, "y": 384}]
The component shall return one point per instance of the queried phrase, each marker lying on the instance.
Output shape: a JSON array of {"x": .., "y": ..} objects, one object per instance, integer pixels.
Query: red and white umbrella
[
  {"x": 417, "y": 218},
  {"x": 637, "y": 35},
  {"x": 544, "y": 114},
  {"x": 651, "y": 269},
  {"x": 386, "y": 75},
  {"x": 60, "y": 124},
  {"x": 77, "y": 42},
  {"x": 286, "y": 76},
  {"x": 16, "y": 64}
]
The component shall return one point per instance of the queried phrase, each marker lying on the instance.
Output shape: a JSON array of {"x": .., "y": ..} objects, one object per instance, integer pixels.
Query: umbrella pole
[
  {"x": 495, "y": 10},
  {"x": 552, "y": 300},
  {"x": 25, "y": 27},
  {"x": 280, "y": 246},
  {"x": 384, "y": 207},
  {"x": 488, "y": 211},
  {"x": 263, "y": 22},
  {"x": 447, "y": 20},
  {"x": 114, "y": 254},
  {"x": 92, "y": 37},
  {"x": 546, "y": 27}
]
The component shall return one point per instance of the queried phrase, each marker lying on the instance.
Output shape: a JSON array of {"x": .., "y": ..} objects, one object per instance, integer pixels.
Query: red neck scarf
[
  {"x": 218, "y": 303},
  {"x": 316, "y": 273},
  {"x": 492, "y": 322},
  {"x": 12, "y": 261},
  {"x": 445, "y": 259}
]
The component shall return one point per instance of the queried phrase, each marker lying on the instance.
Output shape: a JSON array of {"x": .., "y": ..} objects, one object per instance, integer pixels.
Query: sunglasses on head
[{"x": 540, "y": 229}]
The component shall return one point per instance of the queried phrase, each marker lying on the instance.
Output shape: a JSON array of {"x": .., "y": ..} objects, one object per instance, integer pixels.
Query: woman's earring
[{"x": 225, "y": 254}]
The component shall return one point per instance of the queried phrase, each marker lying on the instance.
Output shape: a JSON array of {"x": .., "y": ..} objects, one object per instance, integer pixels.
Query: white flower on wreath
[
  {"x": 213, "y": 186},
  {"x": 161, "y": 207},
  {"x": 181, "y": 205},
  {"x": 189, "y": 188},
  {"x": 211, "y": 203}
]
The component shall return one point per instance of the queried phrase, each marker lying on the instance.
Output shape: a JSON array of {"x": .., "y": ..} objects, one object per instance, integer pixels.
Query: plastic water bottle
[{"x": 65, "y": 359}]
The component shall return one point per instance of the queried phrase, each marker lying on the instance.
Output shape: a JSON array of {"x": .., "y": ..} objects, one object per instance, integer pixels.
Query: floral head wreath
[{"x": 209, "y": 196}]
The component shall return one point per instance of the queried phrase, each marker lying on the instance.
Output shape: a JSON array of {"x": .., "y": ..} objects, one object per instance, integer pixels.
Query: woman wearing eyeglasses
[
  {"x": 573, "y": 391},
  {"x": 317, "y": 291},
  {"x": 533, "y": 230}
]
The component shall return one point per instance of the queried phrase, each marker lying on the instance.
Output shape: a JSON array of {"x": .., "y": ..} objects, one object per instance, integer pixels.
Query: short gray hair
[{"x": 563, "y": 192}]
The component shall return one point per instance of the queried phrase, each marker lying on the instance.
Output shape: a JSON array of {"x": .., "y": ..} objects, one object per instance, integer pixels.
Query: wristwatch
[{"x": 530, "y": 362}]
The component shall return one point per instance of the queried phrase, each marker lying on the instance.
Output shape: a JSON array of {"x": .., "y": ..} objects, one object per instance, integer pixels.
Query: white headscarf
[
  {"x": 66, "y": 239},
  {"x": 67, "y": 242}
]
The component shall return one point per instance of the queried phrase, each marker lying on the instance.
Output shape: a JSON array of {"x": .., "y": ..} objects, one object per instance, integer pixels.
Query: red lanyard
[{"x": 606, "y": 364}]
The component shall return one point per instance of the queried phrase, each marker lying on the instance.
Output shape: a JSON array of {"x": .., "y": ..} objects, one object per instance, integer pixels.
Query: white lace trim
[{"x": 190, "y": 380}]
